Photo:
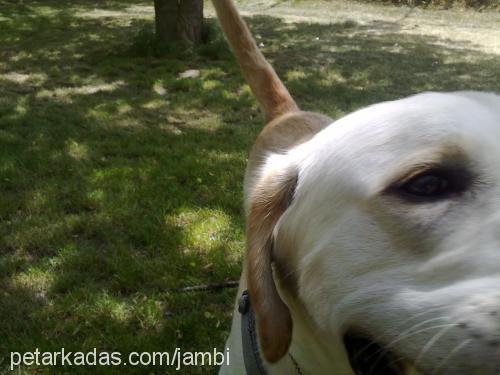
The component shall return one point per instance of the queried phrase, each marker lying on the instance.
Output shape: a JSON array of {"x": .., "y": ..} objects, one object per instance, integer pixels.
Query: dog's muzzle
[{"x": 370, "y": 358}]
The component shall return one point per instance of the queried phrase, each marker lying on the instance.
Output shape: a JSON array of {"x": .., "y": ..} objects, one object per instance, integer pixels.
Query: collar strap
[{"x": 251, "y": 354}]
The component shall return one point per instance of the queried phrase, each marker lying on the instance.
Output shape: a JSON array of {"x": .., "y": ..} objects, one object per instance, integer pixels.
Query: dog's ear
[{"x": 270, "y": 197}]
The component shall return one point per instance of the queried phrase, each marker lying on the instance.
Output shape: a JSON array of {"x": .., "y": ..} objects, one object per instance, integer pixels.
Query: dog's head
[{"x": 385, "y": 228}]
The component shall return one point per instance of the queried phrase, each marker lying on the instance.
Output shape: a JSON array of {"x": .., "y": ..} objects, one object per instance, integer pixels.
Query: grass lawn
[{"x": 119, "y": 181}]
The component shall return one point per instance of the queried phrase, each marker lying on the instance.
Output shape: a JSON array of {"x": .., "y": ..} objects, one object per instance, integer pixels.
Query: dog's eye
[
  {"x": 427, "y": 185},
  {"x": 432, "y": 185}
]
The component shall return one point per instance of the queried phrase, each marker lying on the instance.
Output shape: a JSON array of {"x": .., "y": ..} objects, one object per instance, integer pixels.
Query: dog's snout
[{"x": 479, "y": 320}]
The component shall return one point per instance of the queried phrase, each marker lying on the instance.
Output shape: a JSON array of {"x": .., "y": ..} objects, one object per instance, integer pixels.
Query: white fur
[{"x": 371, "y": 261}]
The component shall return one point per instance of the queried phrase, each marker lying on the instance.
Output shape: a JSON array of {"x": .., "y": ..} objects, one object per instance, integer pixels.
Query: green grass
[{"x": 119, "y": 181}]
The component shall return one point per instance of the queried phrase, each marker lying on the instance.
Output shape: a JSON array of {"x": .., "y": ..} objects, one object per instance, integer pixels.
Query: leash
[{"x": 251, "y": 353}]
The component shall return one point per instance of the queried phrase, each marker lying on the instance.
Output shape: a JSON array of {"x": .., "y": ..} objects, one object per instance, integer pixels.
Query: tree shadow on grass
[
  {"x": 120, "y": 181},
  {"x": 342, "y": 67}
]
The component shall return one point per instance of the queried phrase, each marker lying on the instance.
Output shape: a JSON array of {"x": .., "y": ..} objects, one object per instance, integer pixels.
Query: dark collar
[{"x": 251, "y": 353}]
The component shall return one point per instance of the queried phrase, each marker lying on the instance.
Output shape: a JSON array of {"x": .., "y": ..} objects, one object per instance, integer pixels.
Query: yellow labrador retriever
[{"x": 373, "y": 241}]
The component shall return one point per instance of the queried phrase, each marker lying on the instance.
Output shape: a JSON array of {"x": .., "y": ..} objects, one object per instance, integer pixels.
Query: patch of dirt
[{"x": 462, "y": 28}]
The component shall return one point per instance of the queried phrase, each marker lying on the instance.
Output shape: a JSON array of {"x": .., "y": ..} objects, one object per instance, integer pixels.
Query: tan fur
[
  {"x": 270, "y": 92},
  {"x": 282, "y": 134},
  {"x": 267, "y": 198}
]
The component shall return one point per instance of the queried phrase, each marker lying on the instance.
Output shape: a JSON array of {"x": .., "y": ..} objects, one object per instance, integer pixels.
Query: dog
[{"x": 372, "y": 241}]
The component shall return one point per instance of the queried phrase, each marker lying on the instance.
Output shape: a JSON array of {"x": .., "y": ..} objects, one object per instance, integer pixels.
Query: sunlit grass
[{"x": 120, "y": 181}]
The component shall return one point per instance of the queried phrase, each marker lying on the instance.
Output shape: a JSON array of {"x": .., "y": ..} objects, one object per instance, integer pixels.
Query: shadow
[
  {"x": 120, "y": 181},
  {"x": 341, "y": 67}
]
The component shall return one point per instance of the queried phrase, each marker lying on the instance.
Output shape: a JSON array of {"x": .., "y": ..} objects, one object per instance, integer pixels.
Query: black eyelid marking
[{"x": 456, "y": 181}]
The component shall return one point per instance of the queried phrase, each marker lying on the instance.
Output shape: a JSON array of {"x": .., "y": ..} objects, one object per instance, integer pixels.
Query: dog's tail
[{"x": 272, "y": 95}]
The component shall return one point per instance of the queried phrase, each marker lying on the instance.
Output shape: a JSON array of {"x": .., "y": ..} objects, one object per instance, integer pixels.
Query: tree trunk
[
  {"x": 179, "y": 21},
  {"x": 166, "y": 12},
  {"x": 190, "y": 21}
]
